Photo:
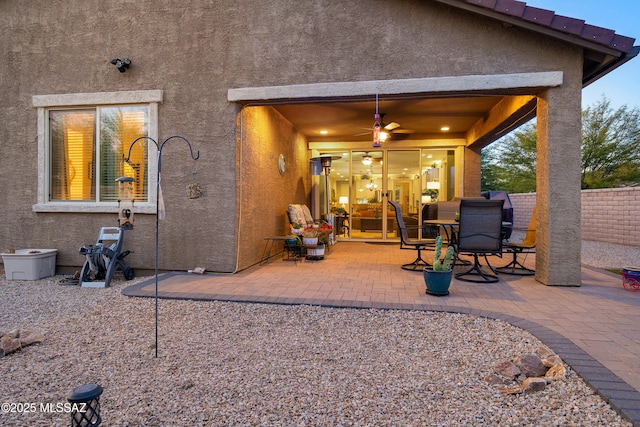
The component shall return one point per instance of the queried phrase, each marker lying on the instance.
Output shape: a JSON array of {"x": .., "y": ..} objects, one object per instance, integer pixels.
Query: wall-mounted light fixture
[{"x": 121, "y": 64}]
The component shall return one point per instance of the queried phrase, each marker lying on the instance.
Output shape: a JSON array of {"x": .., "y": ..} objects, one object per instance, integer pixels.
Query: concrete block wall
[{"x": 608, "y": 215}]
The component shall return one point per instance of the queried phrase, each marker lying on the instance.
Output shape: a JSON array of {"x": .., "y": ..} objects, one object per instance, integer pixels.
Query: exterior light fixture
[
  {"x": 367, "y": 160},
  {"x": 377, "y": 126},
  {"x": 121, "y": 64},
  {"x": 85, "y": 406},
  {"x": 376, "y": 130}
]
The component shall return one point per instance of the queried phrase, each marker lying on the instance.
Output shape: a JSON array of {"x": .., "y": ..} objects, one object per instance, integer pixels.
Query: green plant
[{"x": 439, "y": 265}]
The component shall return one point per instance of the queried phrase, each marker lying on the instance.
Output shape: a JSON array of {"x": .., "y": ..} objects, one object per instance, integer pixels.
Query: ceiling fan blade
[
  {"x": 405, "y": 131},
  {"x": 391, "y": 126},
  {"x": 360, "y": 134}
]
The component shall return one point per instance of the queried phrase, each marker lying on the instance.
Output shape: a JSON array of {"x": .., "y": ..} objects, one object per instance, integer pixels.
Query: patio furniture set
[{"x": 479, "y": 231}]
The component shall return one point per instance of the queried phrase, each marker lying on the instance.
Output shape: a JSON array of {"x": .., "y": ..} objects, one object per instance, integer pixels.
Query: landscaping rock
[
  {"x": 14, "y": 340},
  {"x": 531, "y": 365}
]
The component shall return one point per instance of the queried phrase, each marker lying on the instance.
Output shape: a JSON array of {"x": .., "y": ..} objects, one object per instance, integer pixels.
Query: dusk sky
[{"x": 622, "y": 86}]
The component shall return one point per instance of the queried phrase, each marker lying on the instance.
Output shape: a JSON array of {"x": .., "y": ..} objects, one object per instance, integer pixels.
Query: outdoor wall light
[
  {"x": 86, "y": 406},
  {"x": 121, "y": 64}
]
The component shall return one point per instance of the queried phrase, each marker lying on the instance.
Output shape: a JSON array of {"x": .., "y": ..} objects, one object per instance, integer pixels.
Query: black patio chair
[
  {"x": 480, "y": 234},
  {"x": 412, "y": 244},
  {"x": 526, "y": 246}
]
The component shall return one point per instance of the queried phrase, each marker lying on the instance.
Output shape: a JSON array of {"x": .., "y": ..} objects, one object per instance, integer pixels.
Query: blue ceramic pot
[{"x": 437, "y": 282}]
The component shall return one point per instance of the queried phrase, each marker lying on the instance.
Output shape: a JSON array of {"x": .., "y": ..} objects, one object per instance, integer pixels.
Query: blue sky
[{"x": 622, "y": 86}]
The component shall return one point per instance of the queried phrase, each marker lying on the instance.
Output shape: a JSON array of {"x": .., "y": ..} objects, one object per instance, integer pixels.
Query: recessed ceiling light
[
  {"x": 324, "y": 132},
  {"x": 444, "y": 128}
]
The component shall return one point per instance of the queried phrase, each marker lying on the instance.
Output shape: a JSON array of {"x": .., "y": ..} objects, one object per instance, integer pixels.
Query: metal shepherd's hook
[{"x": 159, "y": 147}]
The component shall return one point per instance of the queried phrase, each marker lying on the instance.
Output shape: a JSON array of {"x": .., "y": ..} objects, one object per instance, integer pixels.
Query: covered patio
[{"x": 593, "y": 327}]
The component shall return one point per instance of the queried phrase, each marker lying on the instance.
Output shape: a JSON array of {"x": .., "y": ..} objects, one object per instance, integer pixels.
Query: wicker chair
[
  {"x": 480, "y": 234},
  {"x": 407, "y": 242}
]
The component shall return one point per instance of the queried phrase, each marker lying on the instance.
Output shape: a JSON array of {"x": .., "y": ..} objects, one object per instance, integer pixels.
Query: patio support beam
[
  {"x": 506, "y": 115},
  {"x": 558, "y": 235},
  {"x": 499, "y": 84}
]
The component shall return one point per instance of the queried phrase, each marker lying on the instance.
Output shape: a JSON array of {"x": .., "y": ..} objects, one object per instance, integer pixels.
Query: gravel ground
[
  {"x": 617, "y": 256},
  {"x": 231, "y": 364}
]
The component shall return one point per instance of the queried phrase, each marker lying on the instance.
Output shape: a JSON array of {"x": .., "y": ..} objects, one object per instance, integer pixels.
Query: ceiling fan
[{"x": 387, "y": 129}]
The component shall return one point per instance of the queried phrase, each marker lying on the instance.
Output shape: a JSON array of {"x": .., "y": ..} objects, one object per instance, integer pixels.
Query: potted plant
[
  {"x": 296, "y": 229},
  {"x": 310, "y": 236},
  {"x": 324, "y": 233},
  {"x": 438, "y": 278}
]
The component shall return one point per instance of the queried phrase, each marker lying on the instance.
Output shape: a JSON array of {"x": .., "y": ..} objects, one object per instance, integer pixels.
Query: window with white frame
[{"x": 83, "y": 139}]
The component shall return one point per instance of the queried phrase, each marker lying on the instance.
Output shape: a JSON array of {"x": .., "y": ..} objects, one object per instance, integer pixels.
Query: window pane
[
  {"x": 119, "y": 127},
  {"x": 72, "y": 155}
]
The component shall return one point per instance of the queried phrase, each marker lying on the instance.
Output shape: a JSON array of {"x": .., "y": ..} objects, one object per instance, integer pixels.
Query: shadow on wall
[{"x": 301, "y": 195}]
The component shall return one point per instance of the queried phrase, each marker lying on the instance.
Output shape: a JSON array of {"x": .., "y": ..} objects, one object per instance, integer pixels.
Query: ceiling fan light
[
  {"x": 366, "y": 160},
  {"x": 376, "y": 130},
  {"x": 383, "y": 136}
]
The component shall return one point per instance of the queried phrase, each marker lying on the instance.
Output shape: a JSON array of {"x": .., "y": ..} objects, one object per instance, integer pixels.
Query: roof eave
[
  {"x": 619, "y": 54},
  {"x": 605, "y": 69}
]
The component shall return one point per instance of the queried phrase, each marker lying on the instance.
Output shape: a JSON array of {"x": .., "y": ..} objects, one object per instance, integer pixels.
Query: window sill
[{"x": 81, "y": 207}]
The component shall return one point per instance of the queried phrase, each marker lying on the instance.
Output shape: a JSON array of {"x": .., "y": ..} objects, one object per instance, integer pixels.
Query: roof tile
[
  {"x": 539, "y": 16},
  {"x": 510, "y": 7},
  {"x": 568, "y": 25},
  {"x": 565, "y": 24},
  {"x": 490, "y": 4},
  {"x": 622, "y": 43},
  {"x": 597, "y": 34}
]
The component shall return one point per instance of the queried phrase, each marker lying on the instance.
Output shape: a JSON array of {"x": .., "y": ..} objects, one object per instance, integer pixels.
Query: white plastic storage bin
[{"x": 30, "y": 264}]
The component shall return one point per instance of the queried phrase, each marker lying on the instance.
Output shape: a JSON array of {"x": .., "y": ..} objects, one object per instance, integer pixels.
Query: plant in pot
[
  {"x": 438, "y": 278},
  {"x": 324, "y": 234},
  {"x": 296, "y": 228},
  {"x": 310, "y": 236}
]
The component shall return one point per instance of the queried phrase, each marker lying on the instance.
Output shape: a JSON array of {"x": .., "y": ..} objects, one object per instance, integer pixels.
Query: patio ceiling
[{"x": 419, "y": 119}]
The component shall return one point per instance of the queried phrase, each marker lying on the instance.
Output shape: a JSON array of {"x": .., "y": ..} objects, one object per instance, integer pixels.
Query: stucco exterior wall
[
  {"x": 195, "y": 51},
  {"x": 264, "y": 193}
]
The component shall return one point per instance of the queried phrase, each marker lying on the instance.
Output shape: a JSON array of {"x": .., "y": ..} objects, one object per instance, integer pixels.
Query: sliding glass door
[{"x": 361, "y": 183}]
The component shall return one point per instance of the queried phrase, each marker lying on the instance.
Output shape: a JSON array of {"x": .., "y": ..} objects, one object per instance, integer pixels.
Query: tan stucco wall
[
  {"x": 195, "y": 51},
  {"x": 264, "y": 193}
]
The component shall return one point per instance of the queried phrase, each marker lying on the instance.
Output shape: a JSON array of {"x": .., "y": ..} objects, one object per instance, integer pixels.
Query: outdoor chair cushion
[{"x": 299, "y": 214}]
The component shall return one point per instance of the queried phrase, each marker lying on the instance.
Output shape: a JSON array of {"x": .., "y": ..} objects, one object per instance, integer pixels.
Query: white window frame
[{"x": 45, "y": 102}]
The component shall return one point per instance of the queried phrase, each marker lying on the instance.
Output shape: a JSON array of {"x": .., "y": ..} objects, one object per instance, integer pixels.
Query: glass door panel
[
  {"x": 339, "y": 193},
  {"x": 366, "y": 209},
  {"x": 405, "y": 188}
]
